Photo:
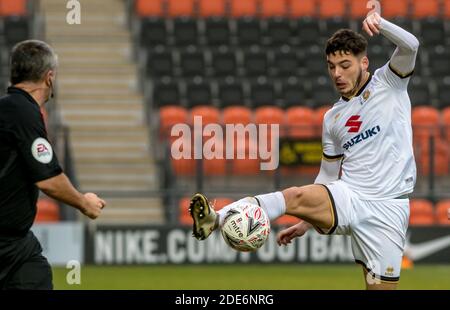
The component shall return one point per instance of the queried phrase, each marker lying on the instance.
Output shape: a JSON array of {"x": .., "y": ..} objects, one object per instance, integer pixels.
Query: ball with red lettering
[{"x": 246, "y": 227}]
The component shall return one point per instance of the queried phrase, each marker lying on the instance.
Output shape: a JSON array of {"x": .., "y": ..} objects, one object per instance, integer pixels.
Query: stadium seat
[
  {"x": 177, "y": 8},
  {"x": 256, "y": 62},
  {"x": 224, "y": 62},
  {"x": 217, "y": 31},
  {"x": 270, "y": 115},
  {"x": 236, "y": 115},
  {"x": 287, "y": 220},
  {"x": 285, "y": 62},
  {"x": 16, "y": 29},
  {"x": 243, "y": 8},
  {"x": 428, "y": 8},
  {"x": 278, "y": 31},
  {"x": 318, "y": 118},
  {"x": 246, "y": 166},
  {"x": 358, "y": 9},
  {"x": 308, "y": 30},
  {"x": 441, "y": 158},
  {"x": 432, "y": 31},
  {"x": 169, "y": 116},
  {"x": 425, "y": 121},
  {"x": 198, "y": 92},
  {"x": 331, "y": 8},
  {"x": 270, "y": 8},
  {"x": 439, "y": 61},
  {"x": 221, "y": 202},
  {"x": 209, "y": 114},
  {"x": 185, "y": 31},
  {"x": 300, "y": 122},
  {"x": 302, "y": 8},
  {"x": 334, "y": 24},
  {"x": 316, "y": 64},
  {"x": 149, "y": 8},
  {"x": 216, "y": 165},
  {"x": 442, "y": 212},
  {"x": 378, "y": 56},
  {"x": 421, "y": 212},
  {"x": 153, "y": 32},
  {"x": 160, "y": 62},
  {"x": 248, "y": 31},
  {"x": 390, "y": 9},
  {"x": 293, "y": 92},
  {"x": 446, "y": 123},
  {"x": 443, "y": 90},
  {"x": 419, "y": 92},
  {"x": 231, "y": 92},
  {"x": 192, "y": 62},
  {"x": 446, "y": 12},
  {"x": 211, "y": 8},
  {"x": 166, "y": 92},
  {"x": 184, "y": 166},
  {"x": 323, "y": 92},
  {"x": 262, "y": 93},
  {"x": 47, "y": 211},
  {"x": 13, "y": 7}
]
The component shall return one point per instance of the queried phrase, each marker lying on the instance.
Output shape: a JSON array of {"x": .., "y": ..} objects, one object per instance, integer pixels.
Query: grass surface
[{"x": 246, "y": 277}]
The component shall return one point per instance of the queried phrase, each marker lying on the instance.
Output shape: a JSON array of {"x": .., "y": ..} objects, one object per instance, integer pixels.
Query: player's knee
[{"x": 293, "y": 196}]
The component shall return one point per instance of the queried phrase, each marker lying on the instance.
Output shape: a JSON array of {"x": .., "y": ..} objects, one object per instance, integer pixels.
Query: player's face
[{"x": 346, "y": 70}]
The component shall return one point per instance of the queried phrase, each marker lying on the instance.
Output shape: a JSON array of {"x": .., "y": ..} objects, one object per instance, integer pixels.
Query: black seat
[
  {"x": 255, "y": 62},
  {"x": 308, "y": 30},
  {"x": 439, "y": 61},
  {"x": 16, "y": 29},
  {"x": 224, "y": 62},
  {"x": 166, "y": 92},
  {"x": 185, "y": 31},
  {"x": 153, "y": 32},
  {"x": 419, "y": 91},
  {"x": 443, "y": 93},
  {"x": 217, "y": 31},
  {"x": 248, "y": 31},
  {"x": 293, "y": 92},
  {"x": 159, "y": 62},
  {"x": 285, "y": 62},
  {"x": 198, "y": 92},
  {"x": 316, "y": 63},
  {"x": 378, "y": 56},
  {"x": 278, "y": 31},
  {"x": 323, "y": 92},
  {"x": 432, "y": 31},
  {"x": 231, "y": 92},
  {"x": 192, "y": 62},
  {"x": 334, "y": 24},
  {"x": 262, "y": 92}
]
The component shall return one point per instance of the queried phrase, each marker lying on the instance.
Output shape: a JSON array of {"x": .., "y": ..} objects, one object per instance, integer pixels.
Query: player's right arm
[{"x": 60, "y": 188}]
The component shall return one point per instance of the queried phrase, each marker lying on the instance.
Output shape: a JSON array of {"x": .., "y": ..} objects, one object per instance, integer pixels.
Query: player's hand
[
  {"x": 371, "y": 24},
  {"x": 93, "y": 205},
  {"x": 285, "y": 236}
]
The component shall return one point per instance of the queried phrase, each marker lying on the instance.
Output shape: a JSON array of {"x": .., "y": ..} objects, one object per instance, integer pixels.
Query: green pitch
[{"x": 261, "y": 277}]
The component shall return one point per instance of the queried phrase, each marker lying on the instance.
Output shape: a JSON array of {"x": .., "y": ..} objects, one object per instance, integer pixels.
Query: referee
[{"x": 27, "y": 164}]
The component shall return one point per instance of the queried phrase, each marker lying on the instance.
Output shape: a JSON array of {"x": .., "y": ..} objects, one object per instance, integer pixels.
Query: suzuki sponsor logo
[
  {"x": 361, "y": 137},
  {"x": 353, "y": 123}
]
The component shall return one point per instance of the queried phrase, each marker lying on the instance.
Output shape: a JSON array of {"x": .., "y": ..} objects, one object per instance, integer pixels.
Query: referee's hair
[
  {"x": 31, "y": 60},
  {"x": 347, "y": 41}
]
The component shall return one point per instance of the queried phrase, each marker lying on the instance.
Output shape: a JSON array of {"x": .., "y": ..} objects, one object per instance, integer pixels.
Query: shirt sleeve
[
  {"x": 331, "y": 150},
  {"x": 33, "y": 146}
]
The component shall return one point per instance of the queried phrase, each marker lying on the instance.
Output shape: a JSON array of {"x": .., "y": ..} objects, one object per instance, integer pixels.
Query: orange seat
[
  {"x": 428, "y": 8},
  {"x": 237, "y": 115},
  {"x": 442, "y": 209},
  {"x": 247, "y": 163},
  {"x": 13, "y": 7},
  {"x": 221, "y": 202},
  {"x": 208, "y": 114},
  {"x": 208, "y": 8},
  {"x": 169, "y": 116},
  {"x": 446, "y": 123},
  {"x": 177, "y": 8},
  {"x": 242, "y": 8},
  {"x": 331, "y": 8},
  {"x": 149, "y": 8},
  {"x": 425, "y": 121},
  {"x": 318, "y": 119},
  {"x": 421, "y": 212},
  {"x": 397, "y": 8},
  {"x": 287, "y": 220},
  {"x": 269, "y": 115},
  {"x": 184, "y": 217},
  {"x": 447, "y": 9},
  {"x": 271, "y": 8},
  {"x": 358, "y": 9},
  {"x": 302, "y": 8},
  {"x": 440, "y": 156},
  {"x": 214, "y": 161},
  {"x": 300, "y": 122},
  {"x": 182, "y": 155},
  {"x": 47, "y": 211}
]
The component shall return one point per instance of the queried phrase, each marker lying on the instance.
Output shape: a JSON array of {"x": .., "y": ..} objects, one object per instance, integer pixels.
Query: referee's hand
[{"x": 93, "y": 206}]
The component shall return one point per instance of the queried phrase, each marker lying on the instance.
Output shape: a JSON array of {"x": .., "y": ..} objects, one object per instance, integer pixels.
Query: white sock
[{"x": 272, "y": 203}]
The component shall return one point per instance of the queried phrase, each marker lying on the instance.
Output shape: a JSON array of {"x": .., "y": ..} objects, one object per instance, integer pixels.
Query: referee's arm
[{"x": 60, "y": 188}]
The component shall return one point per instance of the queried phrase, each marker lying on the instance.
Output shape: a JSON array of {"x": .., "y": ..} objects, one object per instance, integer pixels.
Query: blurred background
[{"x": 133, "y": 68}]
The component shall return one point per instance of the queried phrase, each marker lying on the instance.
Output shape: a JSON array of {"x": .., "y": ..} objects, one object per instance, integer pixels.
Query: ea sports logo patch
[{"x": 42, "y": 151}]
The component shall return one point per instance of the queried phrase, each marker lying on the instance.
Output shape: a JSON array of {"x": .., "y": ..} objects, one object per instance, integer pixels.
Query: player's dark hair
[
  {"x": 31, "y": 60},
  {"x": 348, "y": 41}
]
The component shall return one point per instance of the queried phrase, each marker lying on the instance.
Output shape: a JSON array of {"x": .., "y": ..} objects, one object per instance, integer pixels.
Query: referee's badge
[{"x": 42, "y": 151}]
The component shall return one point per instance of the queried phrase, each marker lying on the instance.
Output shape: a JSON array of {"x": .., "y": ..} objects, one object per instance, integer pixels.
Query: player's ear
[{"x": 365, "y": 63}]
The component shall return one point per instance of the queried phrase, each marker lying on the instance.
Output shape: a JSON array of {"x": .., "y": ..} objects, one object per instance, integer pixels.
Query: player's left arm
[{"x": 403, "y": 59}]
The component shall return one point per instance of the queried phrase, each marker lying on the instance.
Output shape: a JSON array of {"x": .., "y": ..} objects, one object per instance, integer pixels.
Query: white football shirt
[{"x": 372, "y": 133}]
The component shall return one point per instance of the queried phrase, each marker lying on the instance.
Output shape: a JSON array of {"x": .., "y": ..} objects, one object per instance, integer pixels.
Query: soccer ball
[{"x": 245, "y": 227}]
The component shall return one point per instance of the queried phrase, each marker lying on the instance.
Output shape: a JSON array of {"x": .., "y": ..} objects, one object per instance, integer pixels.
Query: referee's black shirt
[{"x": 26, "y": 157}]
